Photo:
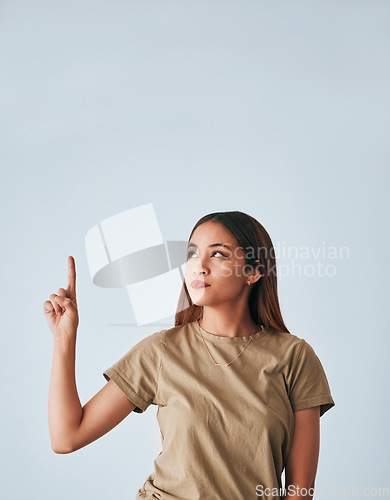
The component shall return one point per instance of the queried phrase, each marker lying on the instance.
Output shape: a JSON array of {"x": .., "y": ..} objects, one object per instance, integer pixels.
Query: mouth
[{"x": 196, "y": 284}]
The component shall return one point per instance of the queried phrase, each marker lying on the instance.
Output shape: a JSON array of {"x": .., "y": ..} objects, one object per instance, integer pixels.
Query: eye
[{"x": 216, "y": 251}]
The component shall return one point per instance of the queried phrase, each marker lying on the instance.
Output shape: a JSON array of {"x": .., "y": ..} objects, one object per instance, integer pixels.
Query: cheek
[
  {"x": 189, "y": 273},
  {"x": 228, "y": 284},
  {"x": 188, "y": 268},
  {"x": 230, "y": 271}
]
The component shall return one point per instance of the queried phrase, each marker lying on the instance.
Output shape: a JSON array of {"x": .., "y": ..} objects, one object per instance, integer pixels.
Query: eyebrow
[{"x": 210, "y": 246}]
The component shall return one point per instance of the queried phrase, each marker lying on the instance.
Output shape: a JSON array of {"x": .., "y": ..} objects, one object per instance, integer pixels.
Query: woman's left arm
[{"x": 301, "y": 465}]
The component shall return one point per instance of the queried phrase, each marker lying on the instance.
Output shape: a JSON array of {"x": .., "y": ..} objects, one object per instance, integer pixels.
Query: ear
[{"x": 256, "y": 275}]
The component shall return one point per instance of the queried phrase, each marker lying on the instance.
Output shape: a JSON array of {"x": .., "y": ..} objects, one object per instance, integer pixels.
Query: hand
[{"x": 61, "y": 309}]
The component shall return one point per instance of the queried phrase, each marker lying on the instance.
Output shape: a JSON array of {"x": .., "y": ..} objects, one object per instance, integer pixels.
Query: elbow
[{"x": 61, "y": 450}]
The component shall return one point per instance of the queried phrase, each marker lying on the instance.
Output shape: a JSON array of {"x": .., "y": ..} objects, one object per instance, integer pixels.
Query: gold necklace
[{"x": 222, "y": 364}]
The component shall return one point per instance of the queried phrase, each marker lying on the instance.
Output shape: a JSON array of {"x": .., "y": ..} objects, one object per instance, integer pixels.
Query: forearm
[
  {"x": 64, "y": 410},
  {"x": 294, "y": 491}
]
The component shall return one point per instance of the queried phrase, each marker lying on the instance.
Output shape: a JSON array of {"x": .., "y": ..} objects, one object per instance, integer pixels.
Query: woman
[{"x": 239, "y": 397}]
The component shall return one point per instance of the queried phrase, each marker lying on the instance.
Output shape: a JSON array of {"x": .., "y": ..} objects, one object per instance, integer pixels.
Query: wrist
[{"x": 65, "y": 342}]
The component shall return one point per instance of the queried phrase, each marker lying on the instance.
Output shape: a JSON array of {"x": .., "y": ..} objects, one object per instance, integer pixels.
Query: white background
[{"x": 279, "y": 109}]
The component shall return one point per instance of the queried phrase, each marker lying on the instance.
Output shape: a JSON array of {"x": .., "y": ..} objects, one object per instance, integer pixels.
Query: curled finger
[{"x": 55, "y": 304}]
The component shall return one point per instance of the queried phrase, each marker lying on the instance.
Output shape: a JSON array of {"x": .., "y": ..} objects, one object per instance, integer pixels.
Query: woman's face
[{"x": 222, "y": 267}]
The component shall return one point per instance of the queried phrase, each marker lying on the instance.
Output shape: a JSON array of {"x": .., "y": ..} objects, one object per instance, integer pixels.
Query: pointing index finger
[{"x": 71, "y": 288}]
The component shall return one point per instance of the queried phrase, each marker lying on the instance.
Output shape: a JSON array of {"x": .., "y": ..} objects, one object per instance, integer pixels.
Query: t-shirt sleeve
[
  {"x": 137, "y": 372},
  {"x": 309, "y": 385}
]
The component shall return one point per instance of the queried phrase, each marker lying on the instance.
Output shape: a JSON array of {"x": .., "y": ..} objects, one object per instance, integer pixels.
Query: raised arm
[
  {"x": 101, "y": 414},
  {"x": 72, "y": 426}
]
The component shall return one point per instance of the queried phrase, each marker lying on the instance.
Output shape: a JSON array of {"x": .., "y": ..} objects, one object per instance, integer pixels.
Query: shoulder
[
  {"x": 159, "y": 338},
  {"x": 176, "y": 334},
  {"x": 150, "y": 343},
  {"x": 283, "y": 342},
  {"x": 289, "y": 348}
]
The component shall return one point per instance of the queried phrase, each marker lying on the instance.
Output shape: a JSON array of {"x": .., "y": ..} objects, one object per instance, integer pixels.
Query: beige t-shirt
[{"x": 226, "y": 431}]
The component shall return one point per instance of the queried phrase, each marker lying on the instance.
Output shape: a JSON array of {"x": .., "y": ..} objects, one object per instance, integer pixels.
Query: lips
[{"x": 199, "y": 284}]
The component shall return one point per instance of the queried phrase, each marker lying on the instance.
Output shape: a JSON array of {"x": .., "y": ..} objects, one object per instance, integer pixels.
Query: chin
[{"x": 199, "y": 301}]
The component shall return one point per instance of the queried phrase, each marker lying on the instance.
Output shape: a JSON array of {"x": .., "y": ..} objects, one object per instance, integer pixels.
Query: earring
[{"x": 248, "y": 282}]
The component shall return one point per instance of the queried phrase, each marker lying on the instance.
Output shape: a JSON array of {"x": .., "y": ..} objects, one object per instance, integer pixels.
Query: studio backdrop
[{"x": 122, "y": 124}]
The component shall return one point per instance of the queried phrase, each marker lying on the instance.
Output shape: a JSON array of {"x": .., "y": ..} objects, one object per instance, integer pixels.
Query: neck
[{"x": 228, "y": 324}]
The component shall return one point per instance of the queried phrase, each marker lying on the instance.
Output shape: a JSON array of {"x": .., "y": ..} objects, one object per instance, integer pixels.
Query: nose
[
  {"x": 198, "y": 266},
  {"x": 201, "y": 270}
]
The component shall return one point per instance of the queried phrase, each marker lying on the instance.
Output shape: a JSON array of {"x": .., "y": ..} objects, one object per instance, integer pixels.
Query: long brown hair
[{"x": 263, "y": 299}]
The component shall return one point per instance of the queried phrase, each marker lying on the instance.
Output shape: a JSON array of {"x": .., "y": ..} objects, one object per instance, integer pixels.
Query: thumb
[{"x": 65, "y": 302}]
